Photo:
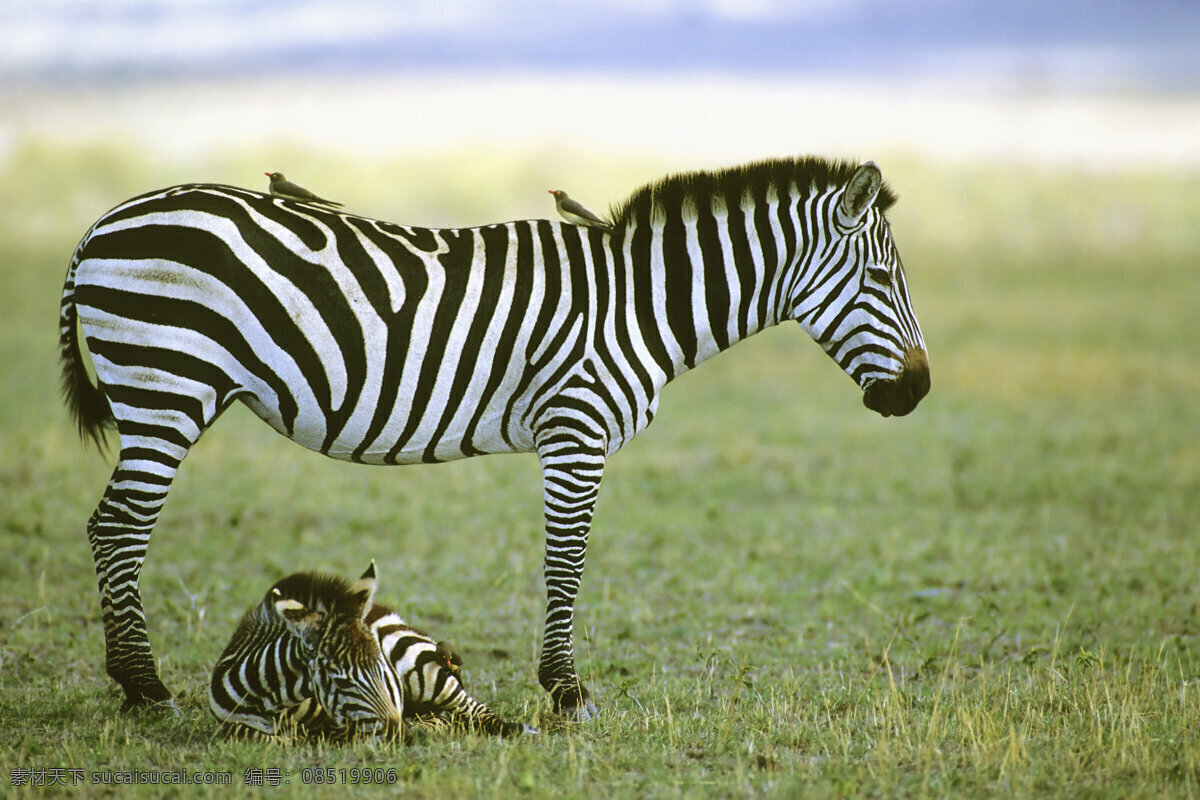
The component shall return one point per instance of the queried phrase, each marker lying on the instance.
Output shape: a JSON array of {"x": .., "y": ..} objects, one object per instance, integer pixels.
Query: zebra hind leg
[
  {"x": 119, "y": 532},
  {"x": 465, "y": 711}
]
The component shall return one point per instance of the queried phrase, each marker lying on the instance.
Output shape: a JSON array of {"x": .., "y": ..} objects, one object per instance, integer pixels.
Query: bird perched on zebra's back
[
  {"x": 282, "y": 187},
  {"x": 572, "y": 211}
]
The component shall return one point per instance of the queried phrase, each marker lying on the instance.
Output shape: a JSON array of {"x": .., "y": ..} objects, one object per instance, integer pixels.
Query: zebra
[
  {"x": 318, "y": 657},
  {"x": 304, "y": 661},
  {"x": 379, "y": 343}
]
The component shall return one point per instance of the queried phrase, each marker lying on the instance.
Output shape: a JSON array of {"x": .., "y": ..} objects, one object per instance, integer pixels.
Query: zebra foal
[
  {"x": 378, "y": 343},
  {"x": 318, "y": 657}
]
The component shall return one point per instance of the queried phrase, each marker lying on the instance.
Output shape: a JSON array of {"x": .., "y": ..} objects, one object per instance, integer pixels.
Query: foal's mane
[{"x": 316, "y": 590}]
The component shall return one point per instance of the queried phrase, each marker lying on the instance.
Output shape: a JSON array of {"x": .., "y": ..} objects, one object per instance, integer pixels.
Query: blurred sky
[
  {"x": 1089, "y": 80},
  {"x": 1070, "y": 42}
]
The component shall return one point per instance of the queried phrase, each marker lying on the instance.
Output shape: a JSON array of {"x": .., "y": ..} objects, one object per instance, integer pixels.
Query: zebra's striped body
[
  {"x": 383, "y": 344},
  {"x": 433, "y": 686},
  {"x": 300, "y": 664}
]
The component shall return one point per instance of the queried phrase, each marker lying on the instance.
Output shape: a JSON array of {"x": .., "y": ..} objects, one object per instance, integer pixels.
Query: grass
[{"x": 993, "y": 597}]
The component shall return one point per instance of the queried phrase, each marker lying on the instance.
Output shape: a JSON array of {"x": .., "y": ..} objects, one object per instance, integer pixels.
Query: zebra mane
[{"x": 807, "y": 174}]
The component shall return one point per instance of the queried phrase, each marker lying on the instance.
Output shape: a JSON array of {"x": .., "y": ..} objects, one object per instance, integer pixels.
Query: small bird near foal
[
  {"x": 413, "y": 345},
  {"x": 317, "y": 657}
]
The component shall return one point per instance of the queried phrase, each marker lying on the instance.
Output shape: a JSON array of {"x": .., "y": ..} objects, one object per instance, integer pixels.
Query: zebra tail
[{"x": 85, "y": 400}]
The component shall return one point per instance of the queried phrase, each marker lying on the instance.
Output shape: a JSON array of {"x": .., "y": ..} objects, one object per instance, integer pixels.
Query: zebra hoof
[
  {"x": 586, "y": 712},
  {"x": 167, "y": 707}
]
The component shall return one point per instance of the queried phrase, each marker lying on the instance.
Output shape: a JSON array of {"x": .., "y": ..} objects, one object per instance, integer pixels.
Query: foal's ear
[
  {"x": 860, "y": 194},
  {"x": 357, "y": 600},
  {"x": 294, "y": 613}
]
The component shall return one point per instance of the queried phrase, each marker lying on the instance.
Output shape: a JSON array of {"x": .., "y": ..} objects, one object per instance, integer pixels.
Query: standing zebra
[
  {"x": 318, "y": 657},
  {"x": 385, "y": 344}
]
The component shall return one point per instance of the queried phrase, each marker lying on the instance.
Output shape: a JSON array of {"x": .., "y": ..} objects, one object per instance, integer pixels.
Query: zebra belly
[{"x": 453, "y": 446}]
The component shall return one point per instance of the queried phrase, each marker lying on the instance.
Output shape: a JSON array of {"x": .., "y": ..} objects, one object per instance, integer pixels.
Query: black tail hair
[{"x": 85, "y": 400}]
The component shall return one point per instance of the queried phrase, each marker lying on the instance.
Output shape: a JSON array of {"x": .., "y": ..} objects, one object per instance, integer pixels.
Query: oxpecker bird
[
  {"x": 282, "y": 187},
  {"x": 449, "y": 658},
  {"x": 573, "y": 212}
]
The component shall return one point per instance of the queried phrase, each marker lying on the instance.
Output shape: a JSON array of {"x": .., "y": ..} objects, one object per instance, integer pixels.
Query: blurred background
[{"x": 466, "y": 111}]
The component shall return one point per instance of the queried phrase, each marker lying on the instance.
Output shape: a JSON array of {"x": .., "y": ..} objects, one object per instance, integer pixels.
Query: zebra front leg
[
  {"x": 571, "y": 473},
  {"x": 119, "y": 532}
]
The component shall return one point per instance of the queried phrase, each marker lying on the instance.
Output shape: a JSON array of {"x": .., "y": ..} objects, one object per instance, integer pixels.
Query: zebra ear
[
  {"x": 293, "y": 611},
  {"x": 860, "y": 194},
  {"x": 357, "y": 600}
]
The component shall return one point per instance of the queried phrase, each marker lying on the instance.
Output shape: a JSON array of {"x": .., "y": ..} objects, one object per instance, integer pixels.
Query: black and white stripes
[
  {"x": 384, "y": 344},
  {"x": 302, "y": 662},
  {"x": 318, "y": 657}
]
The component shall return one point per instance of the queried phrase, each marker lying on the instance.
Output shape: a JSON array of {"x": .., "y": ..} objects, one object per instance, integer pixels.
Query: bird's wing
[
  {"x": 575, "y": 208},
  {"x": 287, "y": 187}
]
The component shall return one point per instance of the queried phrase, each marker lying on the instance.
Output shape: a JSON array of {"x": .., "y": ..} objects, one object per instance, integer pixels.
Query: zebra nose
[
  {"x": 901, "y": 395},
  {"x": 916, "y": 374}
]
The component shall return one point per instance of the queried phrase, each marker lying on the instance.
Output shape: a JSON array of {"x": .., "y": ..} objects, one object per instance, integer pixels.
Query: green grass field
[{"x": 785, "y": 593}]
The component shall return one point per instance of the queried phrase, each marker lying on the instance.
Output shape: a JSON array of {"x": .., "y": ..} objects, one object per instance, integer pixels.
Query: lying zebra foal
[{"x": 318, "y": 658}]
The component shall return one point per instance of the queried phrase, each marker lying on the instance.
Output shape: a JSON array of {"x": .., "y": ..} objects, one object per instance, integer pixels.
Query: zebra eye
[{"x": 880, "y": 274}]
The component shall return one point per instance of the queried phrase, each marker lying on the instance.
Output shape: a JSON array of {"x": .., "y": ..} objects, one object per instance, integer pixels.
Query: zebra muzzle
[{"x": 900, "y": 395}]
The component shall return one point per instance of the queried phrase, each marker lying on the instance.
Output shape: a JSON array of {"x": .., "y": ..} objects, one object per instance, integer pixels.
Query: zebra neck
[
  {"x": 710, "y": 286},
  {"x": 300, "y": 688},
  {"x": 278, "y": 647}
]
